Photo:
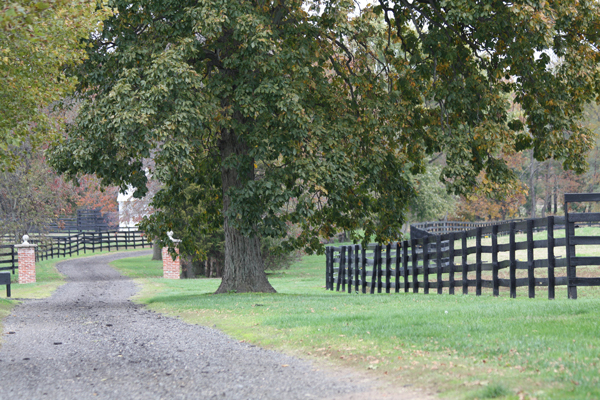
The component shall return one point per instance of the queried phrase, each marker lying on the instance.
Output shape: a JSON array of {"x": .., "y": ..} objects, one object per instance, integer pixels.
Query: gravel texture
[{"x": 89, "y": 340}]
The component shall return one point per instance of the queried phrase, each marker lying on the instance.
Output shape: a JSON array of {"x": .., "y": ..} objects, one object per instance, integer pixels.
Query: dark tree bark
[
  {"x": 532, "y": 172},
  {"x": 555, "y": 194},
  {"x": 208, "y": 267},
  {"x": 187, "y": 267},
  {"x": 547, "y": 192},
  {"x": 190, "y": 269},
  {"x": 156, "y": 251},
  {"x": 243, "y": 270}
]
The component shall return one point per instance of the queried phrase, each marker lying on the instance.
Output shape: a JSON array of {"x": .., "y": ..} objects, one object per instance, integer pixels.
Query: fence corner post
[
  {"x": 328, "y": 263},
  {"x": 26, "y": 260},
  {"x": 171, "y": 268}
]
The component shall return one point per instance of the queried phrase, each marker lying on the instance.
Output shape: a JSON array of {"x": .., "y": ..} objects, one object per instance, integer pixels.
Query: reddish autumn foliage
[{"x": 92, "y": 195}]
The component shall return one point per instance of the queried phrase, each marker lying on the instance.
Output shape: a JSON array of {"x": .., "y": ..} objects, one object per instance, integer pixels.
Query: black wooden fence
[
  {"x": 85, "y": 220},
  {"x": 8, "y": 258},
  {"x": 487, "y": 260},
  {"x": 80, "y": 242}
]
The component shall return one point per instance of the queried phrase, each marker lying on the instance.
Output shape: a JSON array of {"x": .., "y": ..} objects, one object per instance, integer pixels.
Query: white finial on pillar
[
  {"x": 25, "y": 239},
  {"x": 170, "y": 235}
]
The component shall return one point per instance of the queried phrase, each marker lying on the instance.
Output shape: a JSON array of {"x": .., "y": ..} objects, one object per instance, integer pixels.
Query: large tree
[{"x": 306, "y": 112}]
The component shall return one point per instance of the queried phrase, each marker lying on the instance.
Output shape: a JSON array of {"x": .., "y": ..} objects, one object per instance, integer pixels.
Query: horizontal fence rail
[
  {"x": 8, "y": 258},
  {"x": 66, "y": 245},
  {"x": 483, "y": 257},
  {"x": 108, "y": 240}
]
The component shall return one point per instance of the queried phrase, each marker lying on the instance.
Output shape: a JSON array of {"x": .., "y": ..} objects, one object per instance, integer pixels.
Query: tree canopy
[
  {"x": 307, "y": 113},
  {"x": 38, "y": 41}
]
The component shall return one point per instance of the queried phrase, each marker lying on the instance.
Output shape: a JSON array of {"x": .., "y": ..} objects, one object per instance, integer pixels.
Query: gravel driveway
[{"x": 88, "y": 341}]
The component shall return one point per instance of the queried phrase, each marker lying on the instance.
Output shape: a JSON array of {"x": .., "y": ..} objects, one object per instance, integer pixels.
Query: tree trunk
[
  {"x": 555, "y": 194},
  {"x": 156, "y": 251},
  {"x": 243, "y": 270},
  {"x": 548, "y": 192},
  {"x": 532, "y": 171},
  {"x": 187, "y": 267}
]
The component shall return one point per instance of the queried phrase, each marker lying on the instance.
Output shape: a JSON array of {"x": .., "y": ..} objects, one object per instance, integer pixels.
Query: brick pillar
[
  {"x": 26, "y": 255},
  {"x": 170, "y": 268}
]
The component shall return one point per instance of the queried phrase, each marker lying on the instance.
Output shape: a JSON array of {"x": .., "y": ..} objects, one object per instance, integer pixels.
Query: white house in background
[
  {"x": 126, "y": 208},
  {"x": 131, "y": 209}
]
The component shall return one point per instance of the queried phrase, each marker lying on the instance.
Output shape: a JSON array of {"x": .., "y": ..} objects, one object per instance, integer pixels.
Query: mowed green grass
[{"x": 459, "y": 346}]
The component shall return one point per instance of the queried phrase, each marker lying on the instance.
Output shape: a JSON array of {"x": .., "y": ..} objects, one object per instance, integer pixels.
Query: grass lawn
[{"x": 464, "y": 347}]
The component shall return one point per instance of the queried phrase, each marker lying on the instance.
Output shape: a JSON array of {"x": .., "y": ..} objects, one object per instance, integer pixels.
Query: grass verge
[{"x": 464, "y": 347}]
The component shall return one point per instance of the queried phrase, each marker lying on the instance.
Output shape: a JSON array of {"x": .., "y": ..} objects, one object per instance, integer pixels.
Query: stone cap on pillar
[{"x": 25, "y": 243}]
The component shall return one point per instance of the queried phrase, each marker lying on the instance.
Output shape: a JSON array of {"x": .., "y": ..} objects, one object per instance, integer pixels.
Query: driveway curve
[{"x": 90, "y": 341}]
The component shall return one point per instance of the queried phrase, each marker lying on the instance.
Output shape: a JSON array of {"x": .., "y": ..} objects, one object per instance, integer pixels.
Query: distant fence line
[
  {"x": 85, "y": 220},
  {"x": 441, "y": 227},
  {"x": 66, "y": 245},
  {"x": 422, "y": 229},
  {"x": 411, "y": 264}
]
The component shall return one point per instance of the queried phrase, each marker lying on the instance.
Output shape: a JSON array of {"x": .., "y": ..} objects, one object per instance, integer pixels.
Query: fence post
[
  {"x": 530, "y": 260},
  {"x": 415, "y": 265},
  {"x": 551, "y": 259},
  {"x": 495, "y": 281},
  {"x": 451, "y": 263},
  {"x": 571, "y": 271},
  {"x": 388, "y": 266},
  {"x": 26, "y": 258},
  {"x": 327, "y": 263},
  {"x": 332, "y": 270},
  {"x": 513, "y": 260},
  {"x": 171, "y": 267},
  {"x": 438, "y": 260},
  {"x": 379, "y": 269},
  {"x": 12, "y": 256},
  {"x": 374, "y": 272},
  {"x": 397, "y": 270},
  {"x": 363, "y": 272},
  {"x": 426, "y": 265},
  {"x": 465, "y": 266},
  {"x": 356, "y": 266},
  {"x": 350, "y": 267},
  {"x": 341, "y": 267},
  {"x": 405, "y": 264},
  {"x": 478, "y": 262}
]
